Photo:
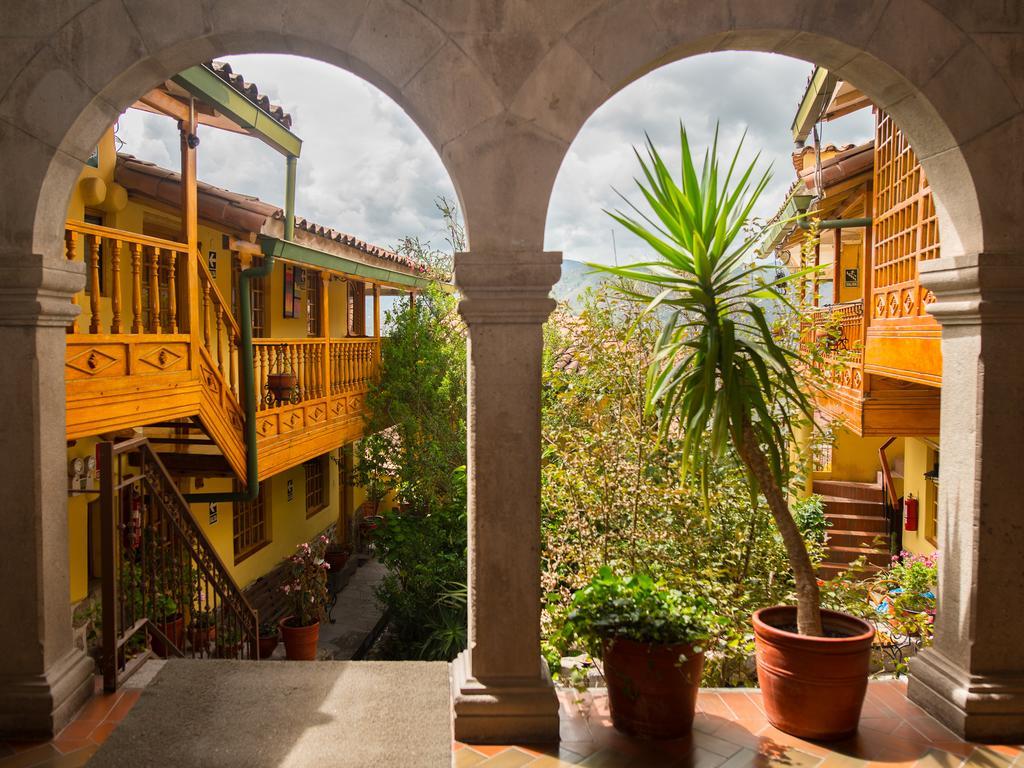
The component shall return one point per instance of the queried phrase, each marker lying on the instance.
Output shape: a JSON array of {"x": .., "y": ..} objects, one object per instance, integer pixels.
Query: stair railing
[
  {"x": 165, "y": 589},
  {"x": 893, "y": 511}
]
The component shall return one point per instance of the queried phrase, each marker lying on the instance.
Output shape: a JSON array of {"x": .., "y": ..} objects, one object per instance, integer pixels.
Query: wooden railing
[
  {"x": 145, "y": 300},
  {"x": 850, "y": 319},
  {"x": 165, "y": 589},
  {"x": 221, "y": 336},
  {"x": 893, "y": 515},
  {"x": 322, "y": 367}
]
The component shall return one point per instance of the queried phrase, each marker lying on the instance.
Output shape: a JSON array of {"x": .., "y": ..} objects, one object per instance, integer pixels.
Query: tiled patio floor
[
  {"x": 731, "y": 731},
  {"x": 79, "y": 740}
]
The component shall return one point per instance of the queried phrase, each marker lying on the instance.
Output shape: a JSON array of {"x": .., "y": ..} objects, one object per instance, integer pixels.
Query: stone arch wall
[{"x": 501, "y": 88}]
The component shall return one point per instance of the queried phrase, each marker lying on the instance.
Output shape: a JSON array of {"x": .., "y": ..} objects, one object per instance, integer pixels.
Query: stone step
[
  {"x": 831, "y": 570},
  {"x": 839, "y": 505},
  {"x": 837, "y": 537},
  {"x": 863, "y": 523},
  {"x": 874, "y": 555},
  {"x": 849, "y": 490}
]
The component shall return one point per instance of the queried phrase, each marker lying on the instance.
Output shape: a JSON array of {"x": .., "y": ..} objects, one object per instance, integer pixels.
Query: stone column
[
  {"x": 972, "y": 678},
  {"x": 44, "y": 679},
  {"x": 500, "y": 686}
]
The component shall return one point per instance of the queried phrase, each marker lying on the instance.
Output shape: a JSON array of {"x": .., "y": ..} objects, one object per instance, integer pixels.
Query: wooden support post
[
  {"x": 376, "y": 328},
  {"x": 190, "y": 227},
  {"x": 325, "y": 331},
  {"x": 70, "y": 248},
  {"x": 115, "y": 287}
]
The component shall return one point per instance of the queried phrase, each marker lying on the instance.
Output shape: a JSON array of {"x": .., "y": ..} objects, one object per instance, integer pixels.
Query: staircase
[
  {"x": 166, "y": 591},
  {"x": 859, "y": 525}
]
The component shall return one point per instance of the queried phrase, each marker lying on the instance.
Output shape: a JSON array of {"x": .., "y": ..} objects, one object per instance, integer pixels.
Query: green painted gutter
[
  {"x": 205, "y": 85},
  {"x": 819, "y": 92},
  {"x": 803, "y": 223},
  {"x": 274, "y": 247},
  {"x": 252, "y": 469}
]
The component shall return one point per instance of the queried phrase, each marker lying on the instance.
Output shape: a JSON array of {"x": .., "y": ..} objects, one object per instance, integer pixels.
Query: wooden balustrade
[
  {"x": 221, "y": 336},
  {"x": 850, "y": 319},
  {"x": 322, "y": 367},
  {"x": 152, "y": 293}
]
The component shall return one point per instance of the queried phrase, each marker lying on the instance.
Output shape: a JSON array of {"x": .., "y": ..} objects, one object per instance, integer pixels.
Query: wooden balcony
[
  {"x": 865, "y": 402},
  {"x": 157, "y": 342}
]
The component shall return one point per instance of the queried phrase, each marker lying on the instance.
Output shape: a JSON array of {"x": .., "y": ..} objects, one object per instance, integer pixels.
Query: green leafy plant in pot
[
  {"x": 726, "y": 377},
  {"x": 651, "y": 640}
]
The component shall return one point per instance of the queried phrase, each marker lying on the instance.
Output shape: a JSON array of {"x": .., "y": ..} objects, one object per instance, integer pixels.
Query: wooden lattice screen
[{"x": 905, "y": 230}]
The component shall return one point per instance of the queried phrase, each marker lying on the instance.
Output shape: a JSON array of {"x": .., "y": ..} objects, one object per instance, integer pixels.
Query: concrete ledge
[
  {"x": 39, "y": 706},
  {"x": 503, "y": 711},
  {"x": 982, "y": 708}
]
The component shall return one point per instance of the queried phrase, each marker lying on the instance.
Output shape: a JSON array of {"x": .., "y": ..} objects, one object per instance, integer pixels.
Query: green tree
[{"x": 719, "y": 376}]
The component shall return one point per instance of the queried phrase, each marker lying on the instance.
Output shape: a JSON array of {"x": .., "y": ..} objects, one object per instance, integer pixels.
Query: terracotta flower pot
[
  {"x": 300, "y": 642},
  {"x": 174, "y": 629},
  {"x": 813, "y": 687},
  {"x": 281, "y": 386},
  {"x": 267, "y": 646},
  {"x": 336, "y": 559},
  {"x": 652, "y": 689},
  {"x": 202, "y": 636}
]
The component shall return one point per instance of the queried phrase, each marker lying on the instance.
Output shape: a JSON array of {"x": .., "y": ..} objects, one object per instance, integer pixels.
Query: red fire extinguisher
[{"x": 910, "y": 507}]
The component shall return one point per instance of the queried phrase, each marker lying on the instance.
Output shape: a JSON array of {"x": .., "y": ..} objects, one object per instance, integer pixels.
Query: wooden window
[
  {"x": 313, "y": 293},
  {"x": 251, "y": 524},
  {"x": 356, "y": 308},
  {"x": 931, "y": 500},
  {"x": 317, "y": 489}
]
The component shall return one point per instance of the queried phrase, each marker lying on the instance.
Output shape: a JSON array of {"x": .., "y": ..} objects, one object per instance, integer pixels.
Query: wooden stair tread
[
  {"x": 860, "y": 550},
  {"x": 846, "y": 500}
]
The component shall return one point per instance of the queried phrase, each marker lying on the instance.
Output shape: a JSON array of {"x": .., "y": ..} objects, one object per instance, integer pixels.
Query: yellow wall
[
  {"x": 856, "y": 458},
  {"x": 920, "y": 458},
  {"x": 78, "y": 526},
  {"x": 851, "y": 259}
]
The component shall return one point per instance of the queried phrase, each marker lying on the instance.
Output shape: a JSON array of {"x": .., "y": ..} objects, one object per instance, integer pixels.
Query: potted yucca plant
[{"x": 722, "y": 378}]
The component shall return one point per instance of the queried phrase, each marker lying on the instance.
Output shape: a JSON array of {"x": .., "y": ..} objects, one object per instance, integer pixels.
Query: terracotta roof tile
[{"x": 223, "y": 70}]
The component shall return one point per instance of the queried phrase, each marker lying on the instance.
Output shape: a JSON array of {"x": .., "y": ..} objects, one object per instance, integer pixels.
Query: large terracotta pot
[
  {"x": 652, "y": 689},
  {"x": 336, "y": 559},
  {"x": 300, "y": 642},
  {"x": 174, "y": 629},
  {"x": 813, "y": 687},
  {"x": 201, "y": 637}
]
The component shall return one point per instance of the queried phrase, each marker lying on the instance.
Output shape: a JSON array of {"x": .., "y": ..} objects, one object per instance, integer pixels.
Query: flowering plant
[
  {"x": 914, "y": 577},
  {"x": 306, "y": 585}
]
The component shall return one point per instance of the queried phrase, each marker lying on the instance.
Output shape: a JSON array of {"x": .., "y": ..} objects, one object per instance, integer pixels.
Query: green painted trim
[
  {"x": 205, "y": 85},
  {"x": 819, "y": 92},
  {"x": 277, "y": 248},
  {"x": 795, "y": 205},
  {"x": 289, "y": 197}
]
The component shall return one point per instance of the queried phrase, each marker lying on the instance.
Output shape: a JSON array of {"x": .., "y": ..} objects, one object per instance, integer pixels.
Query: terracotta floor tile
[
  {"x": 576, "y": 750},
  {"x": 98, "y": 708},
  {"x": 743, "y": 706},
  {"x": 78, "y": 729},
  {"x": 937, "y": 759},
  {"x": 103, "y": 730},
  {"x": 124, "y": 706},
  {"x": 931, "y": 728},
  {"x": 64, "y": 746},
  {"x": 1007, "y": 750},
  {"x": 550, "y": 762},
  {"x": 712, "y": 704},
  {"x": 745, "y": 758},
  {"x": 772, "y": 737},
  {"x": 607, "y": 758},
  {"x": 740, "y": 732},
  {"x": 466, "y": 758},
  {"x": 985, "y": 757},
  {"x": 881, "y": 724},
  {"x": 72, "y": 760},
  {"x": 510, "y": 758},
  {"x": 716, "y": 744},
  {"x": 490, "y": 750},
  {"x": 30, "y": 757}
]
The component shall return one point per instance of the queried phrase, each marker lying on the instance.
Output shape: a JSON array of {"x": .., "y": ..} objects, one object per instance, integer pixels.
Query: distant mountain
[{"x": 577, "y": 277}]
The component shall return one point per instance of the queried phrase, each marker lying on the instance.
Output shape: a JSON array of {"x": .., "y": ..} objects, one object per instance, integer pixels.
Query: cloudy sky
[{"x": 367, "y": 169}]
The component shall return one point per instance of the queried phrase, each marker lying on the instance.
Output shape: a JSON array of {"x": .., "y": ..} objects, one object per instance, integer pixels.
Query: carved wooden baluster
[
  {"x": 219, "y": 317},
  {"x": 336, "y": 368},
  {"x": 115, "y": 287},
  {"x": 259, "y": 372},
  {"x": 206, "y": 315},
  {"x": 232, "y": 383},
  {"x": 154, "y": 290},
  {"x": 70, "y": 246},
  {"x": 172, "y": 294},
  {"x": 136, "y": 251},
  {"x": 94, "y": 242},
  {"x": 317, "y": 378},
  {"x": 293, "y": 355}
]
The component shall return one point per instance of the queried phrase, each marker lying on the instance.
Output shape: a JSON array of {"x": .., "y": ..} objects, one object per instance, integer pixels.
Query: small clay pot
[{"x": 652, "y": 688}]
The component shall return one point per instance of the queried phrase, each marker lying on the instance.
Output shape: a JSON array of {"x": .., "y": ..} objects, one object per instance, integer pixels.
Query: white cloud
[{"x": 367, "y": 169}]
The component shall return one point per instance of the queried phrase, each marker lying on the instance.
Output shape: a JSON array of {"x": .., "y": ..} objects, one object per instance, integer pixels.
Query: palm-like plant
[{"x": 719, "y": 375}]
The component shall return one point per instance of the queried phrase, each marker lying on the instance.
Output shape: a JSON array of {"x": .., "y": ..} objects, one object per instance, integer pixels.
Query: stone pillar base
[
  {"x": 983, "y": 708},
  {"x": 520, "y": 711},
  {"x": 39, "y": 706}
]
